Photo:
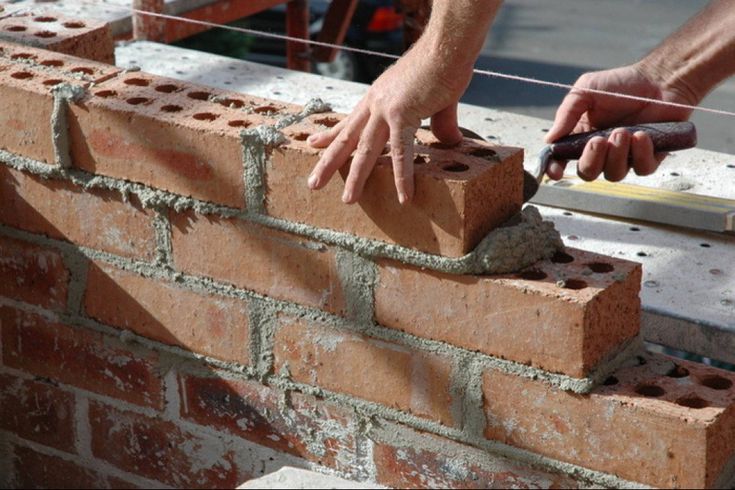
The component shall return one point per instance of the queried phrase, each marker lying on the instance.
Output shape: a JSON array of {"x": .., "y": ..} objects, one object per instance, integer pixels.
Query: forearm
[{"x": 697, "y": 57}]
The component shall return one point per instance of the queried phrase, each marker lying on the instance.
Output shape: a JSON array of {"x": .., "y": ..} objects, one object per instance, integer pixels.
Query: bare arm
[{"x": 426, "y": 82}]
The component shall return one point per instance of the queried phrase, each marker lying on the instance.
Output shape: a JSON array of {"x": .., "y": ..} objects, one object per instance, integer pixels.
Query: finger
[
  {"x": 402, "y": 151},
  {"x": 338, "y": 152},
  {"x": 369, "y": 148},
  {"x": 322, "y": 139},
  {"x": 644, "y": 161},
  {"x": 556, "y": 168},
  {"x": 445, "y": 127},
  {"x": 616, "y": 166},
  {"x": 593, "y": 159},
  {"x": 570, "y": 111}
]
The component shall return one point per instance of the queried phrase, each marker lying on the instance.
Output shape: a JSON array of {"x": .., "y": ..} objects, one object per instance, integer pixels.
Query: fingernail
[
  {"x": 346, "y": 197},
  {"x": 311, "y": 138},
  {"x": 402, "y": 197},
  {"x": 313, "y": 181}
]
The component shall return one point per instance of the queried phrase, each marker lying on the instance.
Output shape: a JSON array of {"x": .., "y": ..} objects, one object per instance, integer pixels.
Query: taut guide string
[{"x": 488, "y": 73}]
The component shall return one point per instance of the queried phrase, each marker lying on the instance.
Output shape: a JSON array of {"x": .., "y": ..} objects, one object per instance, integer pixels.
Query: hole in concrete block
[
  {"x": 455, "y": 167},
  {"x": 716, "y": 382},
  {"x": 485, "y": 153},
  {"x": 562, "y": 258},
  {"x": 205, "y": 116},
  {"x": 238, "y": 123},
  {"x": 138, "y": 82},
  {"x": 199, "y": 95},
  {"x": 52, "y": 82},
  {"x": 172, "y": 108},
  {"x": 705, "y": 245},
  {"x": 420, "y": 160},
  {"x": 22, "y": 75},
  {"x": 45, "y": 34},
  {"x": 106, "y": 93},
  {"x": 232, "y": 103},
  {"x": 533, "y": 275},
  {"x": 23, "y": 56},
  {"x": 601, "y": 267},
  {"x": 678, "y": 372},
  {"x": 137, "y": 100},
  {"x": 575, "y": 284},
  {"x": 651, "y": 391},
  {"x": 74, "y": 25},
  {"x": 265, "y": 109},
  {"x": 82, "y": 69},
  {"x": 16, "y": 28},
  {"x": 45, "y": 19},
  {"x": 329, "y": 122},
  {"x": 52, "y": 63},
  {"x": 300, "y": 136},
  {"x": 167, "y": 88},
  {"x": 610, "y": 381},
  {"x": 692, "y": 401}
]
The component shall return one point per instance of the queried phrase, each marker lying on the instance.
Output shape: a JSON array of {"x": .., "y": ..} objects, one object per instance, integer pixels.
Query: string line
[{"x": 488, "y": 73}]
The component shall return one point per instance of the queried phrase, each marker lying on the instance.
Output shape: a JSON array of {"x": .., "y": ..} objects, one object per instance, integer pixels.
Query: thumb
[
  {"x": 445, "y": 127},
  {"x": 570, "y": 111}
]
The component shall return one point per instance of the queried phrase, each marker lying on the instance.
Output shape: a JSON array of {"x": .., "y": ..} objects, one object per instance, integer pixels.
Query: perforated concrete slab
[{"x": 689, "y": 279}]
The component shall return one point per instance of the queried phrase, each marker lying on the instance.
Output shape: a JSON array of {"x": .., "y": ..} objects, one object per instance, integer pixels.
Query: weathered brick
[
  {"x": 406, "y": 458},
  {"x": 36, "y": 470},
  {"x": 259, "y": 259},
  {"x": 37, "y": 412},
  {"x": 33, "y": 274},
  {"x": 460, "y": 194},
  {"x": 27, "y": 76},
  {"x": 307, "y": 427},
  {"x": 160, "y": 310},
  {"x": 653, "y": 423},
  {"x": 378, "y": 371},
  {"x": 160, "y": 450},
  {"x": 93, "y": 218},
  {"x": 528, "y": 317},
  {"x": 85, "y": 38},
  {"x": 80, "y": 357},
  {"x": 168, "y": 134}
]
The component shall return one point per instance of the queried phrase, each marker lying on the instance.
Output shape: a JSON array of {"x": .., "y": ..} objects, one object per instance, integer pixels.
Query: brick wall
[{"x": 177, "y": 310}]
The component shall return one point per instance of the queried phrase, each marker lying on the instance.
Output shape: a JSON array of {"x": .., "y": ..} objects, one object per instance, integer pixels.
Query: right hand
[{"x": 582, "y": 111}]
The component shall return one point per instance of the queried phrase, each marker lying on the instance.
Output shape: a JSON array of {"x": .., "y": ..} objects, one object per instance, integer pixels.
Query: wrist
[{"x": 671, "y": 79}]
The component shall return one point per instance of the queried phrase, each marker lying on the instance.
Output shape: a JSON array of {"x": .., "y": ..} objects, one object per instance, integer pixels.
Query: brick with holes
[
  {"x": 659, "y": 421},
  {"x": 564, "y": 315},
  {"x": 89, "y": 39},
  {"x": 169, "y": 134}
]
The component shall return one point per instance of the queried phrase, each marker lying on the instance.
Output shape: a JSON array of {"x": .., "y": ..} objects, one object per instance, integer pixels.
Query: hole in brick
[
  {"x": 138, "y": 82},
  {"x": 172, "y": 108},
  {"x": 716, "y": 382},
  {"x": 167, "y": 88},
  {"x": 16, "y": 28},
  {"x": 106, "y": 93},
  {"x": 486, "y": 153},
  {"x": 575, "y": 284},
  {"x": 562, "y": 258},
  {"x": 601, "y": 267},
  {"x": 199, "y": 95},
  {"x": 238, "y": 123},
  {"x": 441, "y": 146},
  {"x": 52, "y": 63},
  {"x": 22, "y": 75},
  {"x": 52, "y": 82},
  {"x": 455, "y": 167},
  {"x": 74, "y": 25},
  {"x": 678, "y": 372},
  {"x": 137, "y": 100},
  {"x": 205, "y": 116},
  {"x": 651, "y": 391},
  {"x": 23, "y": 56},
  {"x": 45, "y": 34},
  {"x": 329, "y": 122},
  {"x": 533, "y": 275},
  {"x": 265, "y": 109},
  {"x": 84, "y": 70},
  {"x": 692, "y": 401},
  {"x": 610, "y": 381},
  {"x": 232, "y": 103},
  {"x": 420, "y": 159},
  {"x": 300, "y": 136},
  {"x": 45, "y": 19}
]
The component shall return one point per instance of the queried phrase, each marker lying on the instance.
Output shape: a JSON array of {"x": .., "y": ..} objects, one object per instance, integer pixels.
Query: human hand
[
  {"x": 583, "y": 111},
  {"x": 418, "y": 86}
]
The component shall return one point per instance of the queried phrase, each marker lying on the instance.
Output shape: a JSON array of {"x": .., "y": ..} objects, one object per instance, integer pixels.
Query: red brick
[
  {"x": 37, "y": 412},
  {"x": 449, "y": 215},
  {"x": 33, "y": 274},
  {"x": 84, "y": 38},
  {"x": 91, "y": 218},
  {"x": 259, "y": 259},
  {"x": 133, "y": 130},
  {"x": 381, "y": 372},
  {"x": 160, "y": 450},
  {"x": 36, "y": 470},
  {"x": 306, "y": 427},
  {"x": 526, "y": 317},
  {"x": 422, "y": 460},
  {"x": 163, "y": 311},
  {"x": 640, "y": 425},
  {"x": 81, "y": 358}
]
